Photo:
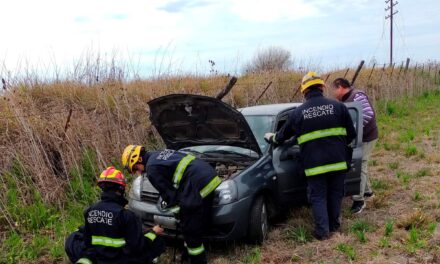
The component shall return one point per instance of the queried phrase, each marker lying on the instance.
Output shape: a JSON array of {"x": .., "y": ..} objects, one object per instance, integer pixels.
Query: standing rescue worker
[
  {"x": 113, "y": 234},
  {"x": 343, "y": 91},
  {"x": 324, "y": 130},
  {"x": 186, "y": 184}
]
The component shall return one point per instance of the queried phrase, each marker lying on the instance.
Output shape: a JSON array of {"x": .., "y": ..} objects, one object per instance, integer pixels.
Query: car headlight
[
  {"x": 135, "y": 191},
  {"x": 226, "y": 193}
]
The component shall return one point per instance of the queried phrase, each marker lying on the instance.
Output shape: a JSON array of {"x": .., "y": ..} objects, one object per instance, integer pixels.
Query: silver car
[{"x": 259, "y": 181}]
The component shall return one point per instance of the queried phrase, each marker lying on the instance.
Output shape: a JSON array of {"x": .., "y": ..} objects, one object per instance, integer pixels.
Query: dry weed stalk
[{"x": 104, "y": 112}]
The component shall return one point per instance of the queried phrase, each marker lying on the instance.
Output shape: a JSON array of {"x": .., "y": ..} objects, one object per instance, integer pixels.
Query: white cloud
[
  {"x": 270, "y": 11},
  {"x": 198, "y": 30}
]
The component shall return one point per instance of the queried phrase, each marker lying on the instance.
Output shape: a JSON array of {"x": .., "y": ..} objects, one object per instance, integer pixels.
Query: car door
[
  {"x": 353, "y": 179},
  {"x": 292, "y": 182}
]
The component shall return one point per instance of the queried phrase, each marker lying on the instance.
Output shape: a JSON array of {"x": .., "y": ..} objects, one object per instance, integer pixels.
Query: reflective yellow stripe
[
  {"x": 326, "y": 168},
  {"x": 151, "y": 236},
  {"x": 84, "y": 261},
  {"x": 274, "y": 138},
  {"x": 210, "y": 186},
  {"x": 337, "y": 131},
  {"x": 180, "y": 169},
  {"x": 196, "y": 251},
  {"x": 107, "y": 241},
  {"x": 175, "y": 209}
]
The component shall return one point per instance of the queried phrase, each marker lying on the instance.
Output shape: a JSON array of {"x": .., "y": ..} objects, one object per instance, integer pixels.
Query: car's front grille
[
  {"x": 148, "y": 192},
  {"x": 151, "y": 197}
]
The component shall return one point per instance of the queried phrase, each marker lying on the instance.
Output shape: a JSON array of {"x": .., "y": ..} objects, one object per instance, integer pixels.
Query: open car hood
[{"x": 186, "y": 120}]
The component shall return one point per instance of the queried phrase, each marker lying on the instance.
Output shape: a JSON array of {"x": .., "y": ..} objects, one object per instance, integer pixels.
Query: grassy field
[
  {"x": 57, "y": 136},
  {"x": 401, "y": 224}
]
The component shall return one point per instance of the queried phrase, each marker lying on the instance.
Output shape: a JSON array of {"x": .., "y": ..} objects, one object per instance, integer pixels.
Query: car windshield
[{"x": 260, "y": 124}]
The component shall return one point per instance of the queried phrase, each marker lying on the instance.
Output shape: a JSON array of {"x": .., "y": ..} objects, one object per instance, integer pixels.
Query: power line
[{"x": 380, "y": 41}]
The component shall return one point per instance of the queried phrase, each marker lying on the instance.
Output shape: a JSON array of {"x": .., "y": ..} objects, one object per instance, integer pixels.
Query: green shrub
[
  {"x": 384, "y": 242},
  {"x": 378, "y": 184},
  {"x": 362, "y": 225},
  {"x": 299, "y": 234},
  {"x": 348, "y": 250},
  {"x": 254, "y": 256},
  {"x": 83, "y": 179},
  {"x": 410, "y": 150},
  {"x": 393, "y": 165},
  {"x": 422, "y": 173},
  {"x": 414, "y": 241},
  {"x": 417, "y": 197},
  {"x": 389, "y": 228}
]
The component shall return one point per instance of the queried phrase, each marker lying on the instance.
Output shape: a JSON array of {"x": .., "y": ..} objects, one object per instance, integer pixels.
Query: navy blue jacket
[
  {"x": 324, "y": 129},
  {"x": 112, "y": 232},
  {"x": 160, "y": 169}
]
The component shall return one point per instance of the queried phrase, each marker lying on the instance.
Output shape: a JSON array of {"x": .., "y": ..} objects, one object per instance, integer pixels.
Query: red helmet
[{"x": 112, "y": 175}]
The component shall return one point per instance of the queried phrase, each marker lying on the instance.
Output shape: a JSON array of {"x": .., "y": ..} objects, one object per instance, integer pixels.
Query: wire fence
[{"x": 46, "y": 126}]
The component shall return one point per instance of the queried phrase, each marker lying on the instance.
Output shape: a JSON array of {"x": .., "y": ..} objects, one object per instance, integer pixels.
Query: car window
[
  {"x": 281, "y": 123},
  {"x": 260, "y": 124}
]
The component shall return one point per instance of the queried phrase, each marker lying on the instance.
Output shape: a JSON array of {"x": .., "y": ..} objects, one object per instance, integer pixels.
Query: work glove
[{"x": 269, "y": 137}]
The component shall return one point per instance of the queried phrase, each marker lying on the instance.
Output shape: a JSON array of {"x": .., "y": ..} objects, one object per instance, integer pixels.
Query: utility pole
[{"x": 390, "y": 16}]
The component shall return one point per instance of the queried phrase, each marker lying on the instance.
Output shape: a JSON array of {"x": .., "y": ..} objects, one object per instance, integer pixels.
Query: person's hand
[
  {"x": 158, "y": 230},
  {"x": 269, "y": 137}
]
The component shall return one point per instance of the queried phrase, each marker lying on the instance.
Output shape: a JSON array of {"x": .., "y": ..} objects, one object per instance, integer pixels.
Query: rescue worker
[
  {"x": 113, "y": 234},
  {"x": 324, "y": 130},
  {"x": 186, "y": 185},
  {"x": 344, "y": 92}
]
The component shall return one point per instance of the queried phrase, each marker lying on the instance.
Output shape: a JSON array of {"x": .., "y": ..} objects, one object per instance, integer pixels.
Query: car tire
[{"x": 258, "y": 221}]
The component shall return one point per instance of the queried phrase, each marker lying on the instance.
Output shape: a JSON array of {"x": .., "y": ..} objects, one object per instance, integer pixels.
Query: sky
[{"x": 153, "y": 37}]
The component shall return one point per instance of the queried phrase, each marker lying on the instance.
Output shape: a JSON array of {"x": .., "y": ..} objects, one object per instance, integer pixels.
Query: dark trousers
[
  {"x": 75, "y": 249},
  {"x": 325, "y": 193},
  {"x": 194, "y": 224}
]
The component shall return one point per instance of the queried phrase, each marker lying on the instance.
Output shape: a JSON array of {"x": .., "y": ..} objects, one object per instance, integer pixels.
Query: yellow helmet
[
  {"x": 112, "y": 175},
  {"x": 130, "y": 156},
  {"x": 311, "y": 78}
]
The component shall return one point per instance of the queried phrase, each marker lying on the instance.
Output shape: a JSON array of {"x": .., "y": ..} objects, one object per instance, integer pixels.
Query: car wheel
[{"x": 258, "y": 221}]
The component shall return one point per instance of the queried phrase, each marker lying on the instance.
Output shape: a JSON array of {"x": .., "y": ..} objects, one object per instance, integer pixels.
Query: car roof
[{"x": 269, "y": 109}]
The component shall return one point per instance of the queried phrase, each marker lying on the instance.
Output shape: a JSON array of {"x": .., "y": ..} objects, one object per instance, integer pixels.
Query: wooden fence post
[
  {"x": 383, "y": 70},
  {"x": 371, "y": 73},
  {"x": 345, "y": 75},
  {"x": 407, "y": 65},
  {"x": 392, "y": 69},
  {"x": 267, "y": 87},
  {"x": 356, "y": 73},
  {"x": 400, "y": 70},
  {"x": 227, "y": 88}
]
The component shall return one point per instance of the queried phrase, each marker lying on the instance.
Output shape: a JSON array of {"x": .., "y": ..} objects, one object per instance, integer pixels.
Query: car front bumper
[{"x": 229, "y": 221}]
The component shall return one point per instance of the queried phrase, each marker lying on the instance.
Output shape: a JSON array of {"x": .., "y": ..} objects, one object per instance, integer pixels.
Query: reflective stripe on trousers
[
  {"x": 83, "y": 261},
  {"x": 108, "y": 241},
  {"x": 339, "y": 166},
  {"x": 196, "y": 251}
]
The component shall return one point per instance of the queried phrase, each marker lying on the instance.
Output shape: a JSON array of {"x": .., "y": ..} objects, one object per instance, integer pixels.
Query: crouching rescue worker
[
  {"x": 324, "y": 130},
  {"x": 186, "y": 184},
  {"x": 113, "y": 234}
]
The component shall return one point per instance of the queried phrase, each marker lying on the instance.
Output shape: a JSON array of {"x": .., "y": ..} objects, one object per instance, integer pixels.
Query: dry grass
[{"x": 108, "y": 112}]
